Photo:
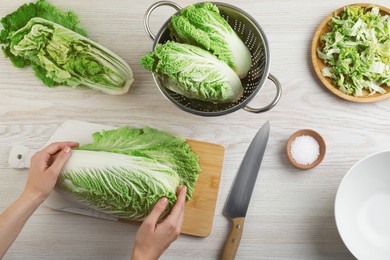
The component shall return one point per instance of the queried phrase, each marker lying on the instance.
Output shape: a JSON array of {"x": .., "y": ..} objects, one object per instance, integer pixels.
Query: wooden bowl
[
  {"x": 318, "y": 64},
  {"x": 317, "y": 137}
]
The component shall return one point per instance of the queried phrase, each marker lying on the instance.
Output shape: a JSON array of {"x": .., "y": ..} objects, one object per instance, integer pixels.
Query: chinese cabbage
[{"x": 124, "y": 172}]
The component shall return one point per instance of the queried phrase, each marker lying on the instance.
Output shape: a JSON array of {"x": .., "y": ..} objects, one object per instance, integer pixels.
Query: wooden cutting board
[{"x": 199, "y": 211}]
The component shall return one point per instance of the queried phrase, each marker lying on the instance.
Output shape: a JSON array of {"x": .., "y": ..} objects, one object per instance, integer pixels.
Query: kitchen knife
[{"x": 240, "y": 194}]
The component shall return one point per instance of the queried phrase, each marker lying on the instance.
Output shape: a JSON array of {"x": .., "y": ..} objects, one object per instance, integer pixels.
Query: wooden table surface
[{"x": 291, "y": 213}]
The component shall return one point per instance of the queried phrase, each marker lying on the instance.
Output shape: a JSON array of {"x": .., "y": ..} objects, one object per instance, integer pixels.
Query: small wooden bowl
[
  {"x": 319, "y": 65},
  {"x": 317, "y": 137}
]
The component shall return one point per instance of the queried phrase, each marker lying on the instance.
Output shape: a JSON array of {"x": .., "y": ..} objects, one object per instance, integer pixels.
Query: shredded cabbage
[{"x": 357, "y": 50}]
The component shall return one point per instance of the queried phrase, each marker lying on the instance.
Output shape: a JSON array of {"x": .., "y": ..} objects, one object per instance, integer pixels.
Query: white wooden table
[{"x": 291, "y": 213}]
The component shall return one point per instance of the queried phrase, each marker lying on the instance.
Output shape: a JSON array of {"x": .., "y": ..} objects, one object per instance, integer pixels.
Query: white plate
[{"x": 362, "y": 208}]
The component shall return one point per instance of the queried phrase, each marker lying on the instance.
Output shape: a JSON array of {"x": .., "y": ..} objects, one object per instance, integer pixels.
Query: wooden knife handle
[{"x": 233, "y": 240}]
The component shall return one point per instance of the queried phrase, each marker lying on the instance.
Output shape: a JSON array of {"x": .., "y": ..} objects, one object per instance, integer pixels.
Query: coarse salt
[{"x": 305, "y": 149}]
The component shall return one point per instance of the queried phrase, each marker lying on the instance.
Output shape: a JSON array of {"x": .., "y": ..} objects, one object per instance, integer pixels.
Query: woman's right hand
[{"x": 154, "y": 238}]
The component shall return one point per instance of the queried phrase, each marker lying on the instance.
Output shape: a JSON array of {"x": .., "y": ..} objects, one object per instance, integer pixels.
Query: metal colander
[{"x": 252, "y": 35}]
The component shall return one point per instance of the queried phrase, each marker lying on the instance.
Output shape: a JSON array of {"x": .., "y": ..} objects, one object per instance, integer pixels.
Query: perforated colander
[{"x": 252, "y": 35}]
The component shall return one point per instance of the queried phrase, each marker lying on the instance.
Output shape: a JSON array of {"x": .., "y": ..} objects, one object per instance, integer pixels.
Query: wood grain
[
  {"x": 233, "y": 240},
  {"x": 291, "y": 213},
  {"x": 199, "y": 211}
]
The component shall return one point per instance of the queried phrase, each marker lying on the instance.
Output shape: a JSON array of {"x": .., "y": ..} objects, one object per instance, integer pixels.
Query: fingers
[
  {"x": 177, "y": 212},
  {"x": 55, "y": 147},
  {"x": 181, "y": 217},
  {"x": 60, "y": 160},
  {"x": 158, "y": 209},
  {"x": 42, "y": 158}
]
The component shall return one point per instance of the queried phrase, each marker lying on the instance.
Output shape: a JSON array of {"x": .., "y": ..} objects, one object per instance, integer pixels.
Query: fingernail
[
  {"x": 164, "y": 201},
  {"x": 66, "y": 149}
]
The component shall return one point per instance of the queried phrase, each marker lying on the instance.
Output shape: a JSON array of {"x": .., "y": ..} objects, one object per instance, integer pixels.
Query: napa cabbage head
[
  {"x": 50, "y": 40},
  {"x": 202, "y": 24},
  {"x": 69, "y": 58},
  {"x": 124, "y": 172},
  {"x": 193, "y": 72}
]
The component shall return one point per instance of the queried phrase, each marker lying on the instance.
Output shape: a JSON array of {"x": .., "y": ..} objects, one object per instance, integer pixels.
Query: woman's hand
[
  {"x": 154, "y": 238},
  {"x": 45, "y": 168}
]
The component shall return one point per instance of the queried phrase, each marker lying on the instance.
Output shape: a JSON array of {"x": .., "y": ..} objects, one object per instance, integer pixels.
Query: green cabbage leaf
[
  {"x": 124, "y": 171},
  {"x": 202, "y": 24},
  {"x": 193, "y": 72},
  {"x": 356, "y": 50}
]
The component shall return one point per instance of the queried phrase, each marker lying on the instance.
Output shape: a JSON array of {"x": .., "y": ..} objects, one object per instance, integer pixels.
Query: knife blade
[{"x": 241, "y": 191}]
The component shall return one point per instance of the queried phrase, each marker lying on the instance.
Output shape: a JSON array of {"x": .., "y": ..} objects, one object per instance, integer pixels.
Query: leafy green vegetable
[
  {"x": 202, "y": 24},
  {"x": 19, "y": 18},
  {"x": 58, "y": 55},
  {"x": 124, "y": 172},
  {"x": 357, "y": 50},
  {"x": 193, "y": 72}
]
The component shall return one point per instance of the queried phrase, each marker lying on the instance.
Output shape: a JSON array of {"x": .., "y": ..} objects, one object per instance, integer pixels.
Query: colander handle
[
  {"x": 274, "y": 102},
  {"x": 151, "y": 9}
]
